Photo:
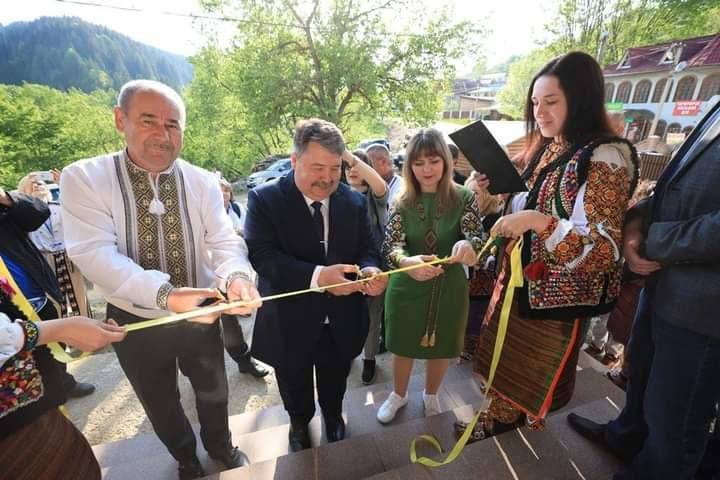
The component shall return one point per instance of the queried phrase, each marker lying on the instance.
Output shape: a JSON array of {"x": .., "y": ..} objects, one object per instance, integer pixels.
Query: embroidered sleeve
[
  {"x": 470, "y": 222},
  {"x": 393, "y": 248},
  {"x": 590, "y": 239}
]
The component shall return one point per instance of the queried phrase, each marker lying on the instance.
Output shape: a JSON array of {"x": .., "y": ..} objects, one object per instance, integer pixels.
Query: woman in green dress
[{"x": 426, "y": 309}]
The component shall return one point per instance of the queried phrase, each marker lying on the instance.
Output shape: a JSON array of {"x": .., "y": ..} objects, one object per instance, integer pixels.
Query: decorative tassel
[
  {"x": 536, "y": 271},
  {"x": 424, "y": 341},
  {"x": 156, "y": 207},
  {"x": 432, "y": 340}
]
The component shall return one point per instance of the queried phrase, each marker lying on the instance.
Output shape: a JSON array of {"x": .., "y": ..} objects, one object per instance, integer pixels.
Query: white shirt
[
  {"x": 237, "y": 222},
  {"x": 49, "y": 237},
  {"x": 325, "y": 210},
  {"x": 95, "y": 228},
  {"x": 12, "y": 338},
  {"x": 395, "y": 186}
]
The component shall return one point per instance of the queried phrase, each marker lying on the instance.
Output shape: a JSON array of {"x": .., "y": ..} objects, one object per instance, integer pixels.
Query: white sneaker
[
  {"x": 432, "y": 405},
  {"x": 389, "y": 408}
]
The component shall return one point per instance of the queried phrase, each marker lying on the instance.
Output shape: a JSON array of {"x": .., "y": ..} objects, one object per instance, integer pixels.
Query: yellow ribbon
[
  {"x": 515, "y": 280},
  {"x": 221, "y": 307},
  {"x": 23, "y": 304}
]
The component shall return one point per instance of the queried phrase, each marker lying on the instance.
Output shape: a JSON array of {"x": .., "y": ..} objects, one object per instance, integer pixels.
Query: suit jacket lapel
[
  {"x": 336, "y": 213},
  {"x": 701, "y": 143},
  {"x": 299, "y": 214}
]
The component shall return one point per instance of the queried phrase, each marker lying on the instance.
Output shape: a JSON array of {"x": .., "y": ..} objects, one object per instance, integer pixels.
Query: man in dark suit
[
  {"x": 669, "y": 419},
  {"x": 306, "y": 230}
]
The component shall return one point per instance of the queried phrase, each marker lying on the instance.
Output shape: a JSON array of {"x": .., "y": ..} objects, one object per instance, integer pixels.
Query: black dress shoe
[
  {"x": 231, "y": 458},
  {"x": 246, "y": 364},
  {"x": 80, "y": 389},
  {"x": 299, "y": 438},
  {"x": 593, "y": 431},
  {"x": 369, "y": 372},
  {"x": 335, "y": 429},
  {"x": 190, "y": 469}
]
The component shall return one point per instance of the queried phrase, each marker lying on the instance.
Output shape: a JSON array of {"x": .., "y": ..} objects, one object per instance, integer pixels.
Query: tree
[
  {"x": 338, "y": 61},
  {"x": 580, "y": 24},
  {"x": 43, "y": 128}
]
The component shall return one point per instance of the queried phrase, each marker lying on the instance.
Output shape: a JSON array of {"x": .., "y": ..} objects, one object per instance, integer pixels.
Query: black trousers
[
  {"x": 295, "y": 382},
  {"x": 150, "y": 359},
  {"x": 233, "y": 337}
]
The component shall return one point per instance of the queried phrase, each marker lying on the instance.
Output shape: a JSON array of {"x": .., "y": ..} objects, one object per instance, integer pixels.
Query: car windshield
[{"x": 280, "y": 165}]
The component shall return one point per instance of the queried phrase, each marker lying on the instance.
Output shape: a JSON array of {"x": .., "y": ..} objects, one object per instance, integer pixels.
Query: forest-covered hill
[{"x": 66, "y": 52}]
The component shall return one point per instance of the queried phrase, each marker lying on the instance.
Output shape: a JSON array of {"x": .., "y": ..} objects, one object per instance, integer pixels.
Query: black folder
[{"x": 487, "y": 156}]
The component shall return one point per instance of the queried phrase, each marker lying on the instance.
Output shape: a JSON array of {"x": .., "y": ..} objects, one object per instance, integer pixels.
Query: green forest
[{"x": 66, "y": 52}]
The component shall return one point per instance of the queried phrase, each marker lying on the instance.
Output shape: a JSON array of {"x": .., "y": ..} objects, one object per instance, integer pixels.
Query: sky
[{"x": 515, "y": 25}]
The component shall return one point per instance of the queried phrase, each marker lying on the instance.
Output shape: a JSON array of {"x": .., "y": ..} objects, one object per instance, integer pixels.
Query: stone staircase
[{"x": 382, "y": 452}]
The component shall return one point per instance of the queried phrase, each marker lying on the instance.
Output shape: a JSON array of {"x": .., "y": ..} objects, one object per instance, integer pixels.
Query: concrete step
[
  {"x": 384, "y": 455},
  {"x": 384, "y": 450},
  {"x": 262, "y": 435}
]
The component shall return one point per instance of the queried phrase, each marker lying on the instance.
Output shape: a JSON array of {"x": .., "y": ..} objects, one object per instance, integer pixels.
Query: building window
[
  {"x": 709, "y": 87},
  {"x": 609, "y": 91},
  {"x": 674, "y": 128},
  {"x": 625, "y": 62},
  {"x": 659, "y": 87},
  {"x": 685, "y": 89},
  {"x": 667, "y": 58},
  {"x": 642, "y": 91},
  {"x": 660, "y": 129},
  {"x": 623, "y": 92}
]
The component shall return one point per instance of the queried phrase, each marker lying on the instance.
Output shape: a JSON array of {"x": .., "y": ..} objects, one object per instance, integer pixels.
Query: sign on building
[{"x": 687, "y": 108}]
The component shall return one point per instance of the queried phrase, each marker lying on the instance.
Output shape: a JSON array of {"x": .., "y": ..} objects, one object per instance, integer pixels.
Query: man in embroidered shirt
[{"x": 150, "y": 231}]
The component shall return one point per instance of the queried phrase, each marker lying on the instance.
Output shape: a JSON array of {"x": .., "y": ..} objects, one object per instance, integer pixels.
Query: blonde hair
[
  {"x": 428, "y": 142},
  {"x": 25, "y": 185}
]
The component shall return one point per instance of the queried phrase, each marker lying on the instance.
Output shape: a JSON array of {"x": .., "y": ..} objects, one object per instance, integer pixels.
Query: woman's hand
[
  {"x": 463, "y": 252},
  {"x": 82, "y": 333},
  {"x": 516, "y": 224},
  {"x": 425, "y": 273},
  {"x": 478, "y": 183}
]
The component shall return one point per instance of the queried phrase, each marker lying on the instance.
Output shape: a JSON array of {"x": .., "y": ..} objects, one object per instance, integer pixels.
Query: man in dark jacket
[
  {"x": 20, "y": 215},
  {"x": 306, "y": 230},
  {"x": 669, "y": 419}
]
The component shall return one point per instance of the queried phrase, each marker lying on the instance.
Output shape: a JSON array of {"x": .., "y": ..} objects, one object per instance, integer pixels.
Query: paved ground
[{"x": 114, "y": 413}]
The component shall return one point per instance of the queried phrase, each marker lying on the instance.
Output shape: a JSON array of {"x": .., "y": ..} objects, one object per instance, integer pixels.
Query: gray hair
[
  {"x": 134, "y": 86},
  {"x": 319, "y": 131},
  {"x": 378, "y": 147}
]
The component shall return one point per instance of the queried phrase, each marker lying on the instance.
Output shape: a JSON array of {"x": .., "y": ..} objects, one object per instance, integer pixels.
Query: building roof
[{"x": 698, "y": 52}]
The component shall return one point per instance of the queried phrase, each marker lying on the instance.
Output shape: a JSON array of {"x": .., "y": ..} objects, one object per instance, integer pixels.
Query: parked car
[
  {"x": 398, "y": 160},
  {"x": 380, "y": 141},
  {"x": 54, "y": 189},
  {"x": 275, "y": 170}
]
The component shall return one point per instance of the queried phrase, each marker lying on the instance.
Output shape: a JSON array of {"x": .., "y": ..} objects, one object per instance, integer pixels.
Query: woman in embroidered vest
[
  {"x": 36, "y": 441},
  {"x": 580, "y": 179},
  {"x": 426, "y": 309}
]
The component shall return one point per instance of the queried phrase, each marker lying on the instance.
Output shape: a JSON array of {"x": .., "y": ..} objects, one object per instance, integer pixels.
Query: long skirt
[
  {"x": 536, "y": 370},
  {"x": 49, "y": 448}
]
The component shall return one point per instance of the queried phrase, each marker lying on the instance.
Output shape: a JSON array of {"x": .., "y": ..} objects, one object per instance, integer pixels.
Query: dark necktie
[{"x": 319, "y": 222}]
